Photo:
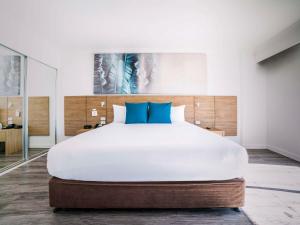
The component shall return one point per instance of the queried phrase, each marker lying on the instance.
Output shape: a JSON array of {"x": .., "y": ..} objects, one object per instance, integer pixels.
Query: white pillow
[
  {"x": 177, "y": 113},
  {"x": 119, "y": 113}
]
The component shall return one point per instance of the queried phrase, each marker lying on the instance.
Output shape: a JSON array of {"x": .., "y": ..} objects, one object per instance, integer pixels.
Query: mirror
[
  {"x": 41, "y": 88},
  {"x": 11, "y": 107}
]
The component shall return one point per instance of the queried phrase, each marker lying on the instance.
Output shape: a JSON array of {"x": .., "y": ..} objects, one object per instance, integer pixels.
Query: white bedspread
[{"x": 147, "y": 152}]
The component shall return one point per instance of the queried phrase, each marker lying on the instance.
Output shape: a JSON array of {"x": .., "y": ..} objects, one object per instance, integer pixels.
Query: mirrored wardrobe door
[
  {"x": 41, "y": 92},
  {"x": 12, "y": 73}
]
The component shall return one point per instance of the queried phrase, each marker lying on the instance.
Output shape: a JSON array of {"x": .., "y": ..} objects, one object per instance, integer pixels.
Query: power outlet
[{"x": 94, "y": 112}]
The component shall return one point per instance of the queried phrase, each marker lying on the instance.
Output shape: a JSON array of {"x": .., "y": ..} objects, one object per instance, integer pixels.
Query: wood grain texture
[
  {"x": 201, "y": 108},
  {"x": 205, "y": 111},
  {"x": 2, "y": 136},
  {"x": 83, "y": 131},
  {"x": 226, "y": 114},
  {"x": 75, "y": 114},
  {"x": 217, "y": 131},
  {"x": 3, "y": 110},
  {"x": 120, "y": 100},
  {"x": 94, "y": 102},
  {"x": 38, "y": 116},
  {"x": 176, "y": 100},
  {"x": 12, "y": 139},
  {"x": 15, "y": 104},
  {"x": 188, "y": 101}
]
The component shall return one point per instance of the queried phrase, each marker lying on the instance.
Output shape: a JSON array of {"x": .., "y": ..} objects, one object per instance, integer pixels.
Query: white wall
[
  {"x": 253, "y": 103},
  {"x": 287, "y": 38},
  {"x": 41, "y": 82},
  {"x": 224, "y": 71},
  {"x": 75, "y": 31},
  {"x": 283, "y": 102},
  {"x": 23, "y": 39}
]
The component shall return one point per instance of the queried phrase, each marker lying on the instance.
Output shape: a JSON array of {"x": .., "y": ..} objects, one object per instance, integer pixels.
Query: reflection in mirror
[
  {"x": 41, "y": 81},
  {"x": 11, "y": 107}
]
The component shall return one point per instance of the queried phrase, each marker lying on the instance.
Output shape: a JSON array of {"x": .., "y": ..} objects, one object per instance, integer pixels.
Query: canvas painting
[
  {"x": 149, "y": 73},
  {"x": 10, "y": 75}
]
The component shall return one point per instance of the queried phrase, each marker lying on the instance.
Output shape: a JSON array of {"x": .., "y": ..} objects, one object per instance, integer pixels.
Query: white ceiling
[{"x": 111, "y": 24}]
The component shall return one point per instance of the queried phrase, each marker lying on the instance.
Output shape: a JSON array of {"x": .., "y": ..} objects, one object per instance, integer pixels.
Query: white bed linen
[{"x": 147, "y": 152}]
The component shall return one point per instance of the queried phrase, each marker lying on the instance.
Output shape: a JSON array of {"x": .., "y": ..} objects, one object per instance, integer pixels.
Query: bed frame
[
  {"x": 213, "y": 111},
  {"x": 112, "y": 195}
]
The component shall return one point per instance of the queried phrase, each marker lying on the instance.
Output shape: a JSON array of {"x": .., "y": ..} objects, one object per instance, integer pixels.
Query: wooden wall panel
[
  {"x": 15, "y": 104},
  {"x": 219, "y": 112},
  {"x": 13, "y": 141},
  {"x": 3, "y": 110},
  {"x": 177, "y": 100},
  {"x": 38, "y": 116},
  {"x": 188, "y": 101},
  {"x": 205, "y": 111},
  {"x": 75, "y": 114},
  {"x": 226, "y": 114},
  {"x": 94, "y": 102},
  {"x": 120, "y": 100}
]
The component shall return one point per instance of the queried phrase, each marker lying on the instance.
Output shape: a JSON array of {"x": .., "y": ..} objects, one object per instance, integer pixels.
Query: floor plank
[
  {"x": 24, "y": 200},
  {"x": 8, "y": 160}
]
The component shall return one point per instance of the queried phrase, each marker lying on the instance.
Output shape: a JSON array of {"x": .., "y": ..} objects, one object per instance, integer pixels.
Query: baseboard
[
  {"x": 255, "y": 146},
  {"x": 39, "y": 146},
  {"x": 284, "y": 152}
]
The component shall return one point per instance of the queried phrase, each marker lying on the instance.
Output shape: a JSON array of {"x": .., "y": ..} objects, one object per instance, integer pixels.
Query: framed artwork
[
  {"x": 10, "y": 75},
  {"x": 149, "y": 73}
]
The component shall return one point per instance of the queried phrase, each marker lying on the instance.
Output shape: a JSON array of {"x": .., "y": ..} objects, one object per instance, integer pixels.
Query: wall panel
[
  {"x": 38, "y": 116},
  {"x": 205, "y": 111},
  {"x": 94, "y": 102},
  {"x": 212, "y": 111},
  {"x": 226, "y": 114},
  {"x": 75, "y": 114}
]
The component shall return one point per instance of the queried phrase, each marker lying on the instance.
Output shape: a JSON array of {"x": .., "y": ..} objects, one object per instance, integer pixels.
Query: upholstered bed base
[{"x": 103, "y": 195}]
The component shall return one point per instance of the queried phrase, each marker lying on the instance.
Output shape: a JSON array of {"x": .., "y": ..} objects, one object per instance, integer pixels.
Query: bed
[{"x": 176, "y": 165}]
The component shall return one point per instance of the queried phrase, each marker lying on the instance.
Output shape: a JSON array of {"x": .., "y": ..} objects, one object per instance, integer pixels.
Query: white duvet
[{"x": 147, "y": 152}]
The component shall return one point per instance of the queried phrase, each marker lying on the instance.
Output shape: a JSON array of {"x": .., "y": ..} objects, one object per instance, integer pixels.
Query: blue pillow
[
  {"x": 159, "y": 112},
  {"x": 136, "y": 112}
]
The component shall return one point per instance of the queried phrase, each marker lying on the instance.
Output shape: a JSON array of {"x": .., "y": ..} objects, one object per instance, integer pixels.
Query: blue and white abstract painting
[
  {"x": 148, "y": 73},
  {"x": 128, "y": 73},
  {"x": 10, "y": 75}
]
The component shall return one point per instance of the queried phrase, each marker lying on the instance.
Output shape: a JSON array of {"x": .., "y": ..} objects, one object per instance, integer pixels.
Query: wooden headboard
[
  {"x": 212, "y": 111},
  {"x": 188, "y": 101}
]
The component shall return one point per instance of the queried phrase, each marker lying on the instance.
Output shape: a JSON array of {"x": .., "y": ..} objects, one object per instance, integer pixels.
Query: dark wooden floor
[
  {"x": 264, "y": 156},
  {"x": 24, "y": 200},
  {"x": 8, "y": 160}
]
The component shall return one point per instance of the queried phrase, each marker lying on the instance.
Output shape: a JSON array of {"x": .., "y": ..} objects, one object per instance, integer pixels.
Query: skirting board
[
  {"x": 46, "y": 146},
  {"x": 255, "y": 146},
  {"x": 284, "y": 152}
]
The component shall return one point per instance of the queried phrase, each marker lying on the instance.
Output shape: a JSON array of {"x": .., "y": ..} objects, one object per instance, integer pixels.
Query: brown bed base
[{"x": 112, "y": 195}]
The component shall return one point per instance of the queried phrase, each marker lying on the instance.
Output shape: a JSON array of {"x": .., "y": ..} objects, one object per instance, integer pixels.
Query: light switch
[
  {"x": 18, "y": 114},
  {"x": 9, "y": 120},
  {"x": 94, "y": 112},
  {"x": 102, "y": 104},
  {"x": 198, "y": 104}
]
